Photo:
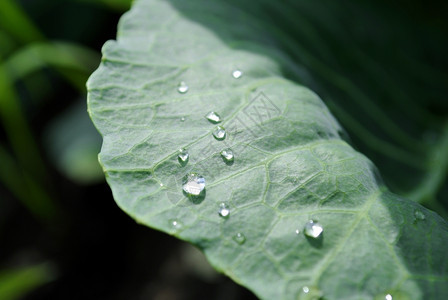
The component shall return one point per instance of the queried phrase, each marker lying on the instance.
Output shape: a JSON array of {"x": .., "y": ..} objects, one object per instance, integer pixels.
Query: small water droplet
[
  {"x": 176, "y": 224},
  {"x": 182, "y": 119},
  {"x": 239, "y": 238},
  {"x": 237, "y": 74},
  {"x": 213, "y": 117},
  {"x": 193, "y": 184},
  {"x": 183, "y": 155},
  {"x": 227, "y": 154},
  {"x": 297, "y": 231},
  {"x": 183, "y": 87},
  {"x": 397, "y": 294},
  {"x": 161, "y": 184},
  {"x": 419, "y": 215},
  {"x": 313, "y": 229},
  {"x": 219, "y": 133},
  {"x": 309, "y": 293},
  {"x": 224, "y": 210}
]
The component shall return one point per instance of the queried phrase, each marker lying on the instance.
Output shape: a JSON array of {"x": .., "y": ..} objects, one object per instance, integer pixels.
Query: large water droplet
[
  {"x": 193, "y": 184},
  {"x": 213, "y": 117},
  {"x": 183, "y": 87},
  {"x": 227, "y": 154},
  {"x": 183, "y": 156},
  {"x": 224, "y": 210},
  {"x": 313, "y": 229},
  {"x": 219, "y": 133},
  {"x": 237, "y": 74},
  {"x": 419, "y": 216},
  {"x": 239, "y": 238}
]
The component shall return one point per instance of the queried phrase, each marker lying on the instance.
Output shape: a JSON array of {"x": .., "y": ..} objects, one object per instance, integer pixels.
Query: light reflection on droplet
[
  {"x": 183, "y": 87},
  {"x": 213, "y": 117},
  {"x": 224, "y": 210},
  {"x": 219, "y": 133},
  {"x": 237, "y": 74},
  {"x": 193, "y": 184},
  {"x": 313, "y": 229}
]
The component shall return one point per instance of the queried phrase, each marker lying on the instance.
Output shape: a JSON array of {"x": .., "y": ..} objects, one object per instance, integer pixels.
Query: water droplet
[
  {"x": 297, "y": 231},
  {"x": 419, "y": 215},
  {"x": 213, "y": 117},
  {"x": 397, "y": 294},
  {"x": 239, "y": 238},
  {"x": 313, "y": 229},
  {"x": 182, "y": 119},
  {"x": 309, "y": 293},
  {"x": 182, "y": 88},
  {"x": 219, "y": 133},
  {"x": 176, "y": 224},
  {"x": 193, "y": 184},
  {"x": 161, "y": 184},
  {"x": 183, "y": 155},
  {"x": 227, "y": 154},
  {"x": 224, "y": 210},
  {"x": 237, "y": 74}
]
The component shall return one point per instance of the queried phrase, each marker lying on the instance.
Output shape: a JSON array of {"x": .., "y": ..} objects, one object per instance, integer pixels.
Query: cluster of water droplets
[{"x": 193, "y": 183}]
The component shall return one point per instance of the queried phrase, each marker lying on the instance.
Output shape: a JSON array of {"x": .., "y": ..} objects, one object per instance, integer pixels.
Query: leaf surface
[{"x": 290, "y": 163}]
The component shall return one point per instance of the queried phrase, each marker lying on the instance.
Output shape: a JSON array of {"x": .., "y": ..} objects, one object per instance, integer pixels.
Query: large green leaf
[{"x": 290, "y": 164}]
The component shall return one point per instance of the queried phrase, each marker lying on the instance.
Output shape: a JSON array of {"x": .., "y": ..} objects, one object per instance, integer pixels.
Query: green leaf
[{"x": 290, "y": 164}]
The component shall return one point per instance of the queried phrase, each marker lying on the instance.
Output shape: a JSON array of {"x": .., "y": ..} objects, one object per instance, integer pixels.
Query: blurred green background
[{"x": 380, "y": 66}]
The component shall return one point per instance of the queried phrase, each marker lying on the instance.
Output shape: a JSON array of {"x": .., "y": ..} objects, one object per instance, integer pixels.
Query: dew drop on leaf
[
  {"x": 388, "y": 297},
  {"x": 239, "y": 238},
  {"x": 183, "y": 87},
  {"x": 297, "y": 231},
  {"x": 193, "y": 184},
  {"x": 313, "y": 229},
  {"x": 175, "y": 224},
  {"x": 310, "y": 293},
  {"x": 182, "y": 119},
  {"x": 219, "y": 133},
  {"x": 224, "y": 210},
  {"x": 183, "y": 155},
  {"x": 419, "y": 216},
  {"x": 227, "y": 155},
  {"x": 237, "y": 74},
  {"x": 213, "y": 117}
]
